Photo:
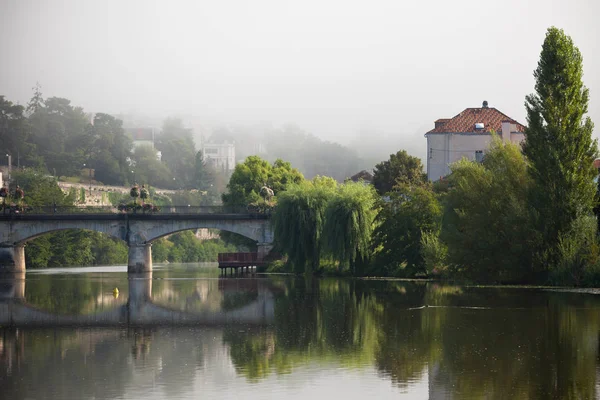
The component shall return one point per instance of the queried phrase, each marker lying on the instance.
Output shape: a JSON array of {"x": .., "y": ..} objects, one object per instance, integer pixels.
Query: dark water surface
[{"x": 185, "y": 333}]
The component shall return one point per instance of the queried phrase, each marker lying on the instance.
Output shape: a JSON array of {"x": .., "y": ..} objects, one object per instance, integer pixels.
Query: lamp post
[
  {"x": 133, "y": 173},
  {"x": 9, "y": 166}
]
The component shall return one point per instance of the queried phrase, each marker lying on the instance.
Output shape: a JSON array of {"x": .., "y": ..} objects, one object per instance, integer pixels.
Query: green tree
[
  {"x": 208, "y": 181},
  {"x": 246, "y": 181},
  {"x": 40, "y": 189},
  {"x": 178, "y": 151},
  {"x": 149, "y": 170},
  {"x": 249, "y": 176},
  {"x": 15, "y": 131},
  {"x": 57, "y": 131},
  {"x": 400, "y": 169},
  {"x": 486, "y": 224},
  {"x": 203, "y": 174},
  {"x": 559, "y": 144},
  {"x": 110, "y": 150},
  {"x": 298, "y": 223},
  {"x": 349, "y": 223},
  {"x": 37, "y": 101},
  {"x": 400, "y": 224}
]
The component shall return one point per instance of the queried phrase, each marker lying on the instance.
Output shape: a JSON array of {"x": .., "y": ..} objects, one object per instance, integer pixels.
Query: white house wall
[
  {"x": 437, "y": 156},
  {"x": 444, "y": 149}
]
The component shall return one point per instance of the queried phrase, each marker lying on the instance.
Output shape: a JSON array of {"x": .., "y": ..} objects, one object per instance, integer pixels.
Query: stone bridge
[
  {"x": 137, "y": 230},
  {"x": 139, "y": 310}
]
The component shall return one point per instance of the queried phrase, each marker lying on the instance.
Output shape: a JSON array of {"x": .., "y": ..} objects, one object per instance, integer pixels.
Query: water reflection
[
  {"x": 422, "y": 340},
  {"x": 255, "y": 305}
]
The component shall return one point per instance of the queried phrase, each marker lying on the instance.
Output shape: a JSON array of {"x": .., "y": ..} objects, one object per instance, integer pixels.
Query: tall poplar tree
[{"x": 559, "y": 144}]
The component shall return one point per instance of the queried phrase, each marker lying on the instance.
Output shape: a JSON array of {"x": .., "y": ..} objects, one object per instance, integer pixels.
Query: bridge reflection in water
[{"x": 139, "y": 310}]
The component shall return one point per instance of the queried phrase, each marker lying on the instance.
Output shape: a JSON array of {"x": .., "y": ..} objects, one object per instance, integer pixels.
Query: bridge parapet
[{"x": 162, "y": 210}]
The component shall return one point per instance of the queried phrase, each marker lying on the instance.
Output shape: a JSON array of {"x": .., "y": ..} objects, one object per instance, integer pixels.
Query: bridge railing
[
  {"x": 237, "y": 257},
  {"x": 179, "y": 210}
]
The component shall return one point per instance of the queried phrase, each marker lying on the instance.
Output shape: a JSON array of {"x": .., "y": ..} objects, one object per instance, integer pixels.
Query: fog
[{"x": 334, "y": 68}]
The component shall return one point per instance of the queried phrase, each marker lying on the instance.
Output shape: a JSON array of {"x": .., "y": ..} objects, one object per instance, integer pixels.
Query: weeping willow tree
[
  {"x": 298, "y": 222},
  {"x": 348, "y": 226}
]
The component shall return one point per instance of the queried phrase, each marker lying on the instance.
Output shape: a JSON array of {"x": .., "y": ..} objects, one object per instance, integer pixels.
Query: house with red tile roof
[{"x": 467, "y": 135}]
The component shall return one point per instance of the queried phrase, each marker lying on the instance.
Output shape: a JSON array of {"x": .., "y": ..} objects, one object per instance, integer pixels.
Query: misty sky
[{"x": 329, "y": 66}]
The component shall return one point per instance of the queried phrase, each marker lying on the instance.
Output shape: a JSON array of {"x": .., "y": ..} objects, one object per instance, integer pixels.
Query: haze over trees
[
  {"x": 309, "y": 154},
  {"x": 53, "y": 136}
]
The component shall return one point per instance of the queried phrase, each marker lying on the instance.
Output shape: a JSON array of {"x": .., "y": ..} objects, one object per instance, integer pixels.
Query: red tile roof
[{"x": 466, "y": 120}]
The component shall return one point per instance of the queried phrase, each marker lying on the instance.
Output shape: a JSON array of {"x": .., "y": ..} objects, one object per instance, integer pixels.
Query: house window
[
  {"x": 479, "y": 155},
  {"x": 211, "y": 151}
]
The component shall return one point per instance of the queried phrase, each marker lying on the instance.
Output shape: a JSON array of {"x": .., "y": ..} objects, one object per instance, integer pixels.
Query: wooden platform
[{"x": 245, "y": 262}]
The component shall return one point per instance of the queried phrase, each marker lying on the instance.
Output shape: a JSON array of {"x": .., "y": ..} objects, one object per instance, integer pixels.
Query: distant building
[
  {"x": 362, "y": 176},
  {"x": 142, "y": 136},
  {"x": 467, "y": 135},
  {"x": 219, "y": 155}
]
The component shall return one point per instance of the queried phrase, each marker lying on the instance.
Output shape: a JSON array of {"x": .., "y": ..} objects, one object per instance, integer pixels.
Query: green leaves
[
  {"x": 250, "y": 176},
  {"x": 400, "y": 224},
  {"x": 400, "y": 169},
  {"x": 486, "y": 218},
  {"x": 298, "y": 223},
  {"x": 319, "y": 219},
  {"x": 349, "y": 223},
  {"x": 559, "y": 144}
]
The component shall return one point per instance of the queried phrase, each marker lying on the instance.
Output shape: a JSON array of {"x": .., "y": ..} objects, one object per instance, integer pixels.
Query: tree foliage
[
  {"x": 486, "y": 217},
  {"x": 400, "y": 224},
  {"x": 248, "y": 178},
  {"x": 348, "y": 224},
  {"x": 177, "y": 146},
  {"x": 559, "y": 144},
  {"x": 298, "y": 222},
  {"x": 400, "y": 169},
  {"x": 149, "y": 169},
  {"x": 14, "y": 130}
]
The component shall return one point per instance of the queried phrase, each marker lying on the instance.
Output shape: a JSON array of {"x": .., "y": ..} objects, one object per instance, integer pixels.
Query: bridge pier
[
  {"x": 140, "y": 258},
  {"x": 12, "y": 258},
  {"x": 263, "y": 250}
]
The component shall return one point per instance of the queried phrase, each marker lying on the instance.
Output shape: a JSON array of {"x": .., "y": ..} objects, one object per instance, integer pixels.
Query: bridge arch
[
  {"x": 29, "y": 230},
  {"x": 257, "y": 230}
]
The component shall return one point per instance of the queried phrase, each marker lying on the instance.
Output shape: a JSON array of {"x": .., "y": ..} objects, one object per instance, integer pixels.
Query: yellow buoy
[{"x": 115, "y": 293}]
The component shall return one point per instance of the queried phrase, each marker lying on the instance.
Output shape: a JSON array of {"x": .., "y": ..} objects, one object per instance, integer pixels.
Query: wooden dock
[{"x": 244, "y": 262}]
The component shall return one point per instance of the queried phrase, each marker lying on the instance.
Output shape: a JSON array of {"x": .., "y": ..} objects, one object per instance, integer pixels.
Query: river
[{"x": 186, "y": 333}]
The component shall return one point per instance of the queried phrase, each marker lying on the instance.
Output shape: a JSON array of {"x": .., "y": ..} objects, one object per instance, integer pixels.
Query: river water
[{"x": 186, "y": 333}]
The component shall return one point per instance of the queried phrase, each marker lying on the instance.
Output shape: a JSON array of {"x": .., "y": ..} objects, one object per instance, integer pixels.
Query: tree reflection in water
[{"x": 468, "y": 342}]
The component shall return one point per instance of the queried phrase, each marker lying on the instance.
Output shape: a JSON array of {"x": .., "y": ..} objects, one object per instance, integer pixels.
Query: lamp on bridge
[
  {"x": 9, "y": 166},
  {"x": 90, "y": 177}
]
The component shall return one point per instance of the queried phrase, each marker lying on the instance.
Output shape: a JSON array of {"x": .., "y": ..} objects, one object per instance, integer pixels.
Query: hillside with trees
[{"x": 57, "y": 138}]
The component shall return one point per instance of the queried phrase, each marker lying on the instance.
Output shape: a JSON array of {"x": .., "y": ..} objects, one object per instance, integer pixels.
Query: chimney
[{"x": 440, "y": 122}]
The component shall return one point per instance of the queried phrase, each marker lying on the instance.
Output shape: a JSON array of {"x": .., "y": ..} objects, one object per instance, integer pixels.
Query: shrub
[
  {"x": 578, "y": 253},
  {"x": 435, "y": 254}
]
